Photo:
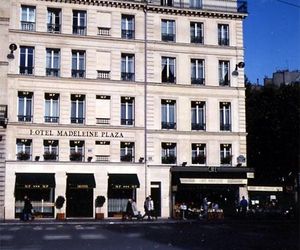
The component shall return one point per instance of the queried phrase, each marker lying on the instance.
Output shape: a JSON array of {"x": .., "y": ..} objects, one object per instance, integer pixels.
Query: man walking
[{"x": 243, "y": 206}]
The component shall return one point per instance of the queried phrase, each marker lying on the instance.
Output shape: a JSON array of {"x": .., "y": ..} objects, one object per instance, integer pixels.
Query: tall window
[
  {"x": 76, "y": 150},
  {"x": 196, "y": 4},
  {"x": 168, "y": 33},
  {"x": 51, "y": 107},
  {"x": 225, "y": 154},
  {"x": 127, "y": 151},
  {"x": 127, "y": 67},
  {"x": 197, "y": 72},
  {"x": 166, "y": 3},
  {"x": 196, "y": 30},
  {"x": 198, "y": 153},
  {"x": 168, "y": 153},
  {"x": 225, "y": 116},
  {"x": 52, "y": 62},
  {"x": 78, "y": 64},
  {"x": 54, "y": 20},
  {"x": 223, "y": 34},
  {"x": 25, "y": 106},
  {"x": 79, "y": 22},
  {"x": 168, "y": 114},
  {"x": 26, "y": 60},
  {"x": 168, "y": 73},
  {"x": 198, "y": 115},
  {"x": 224, "y": 75},
  {"x": 28, "y": 18},
  {"x": 127, "y": 110},
  {"x": 50, "y": 150},
  {"x": 77, "y": 109},
  {"x": 24, "y": 149},
  {"x": 128, "y": 26}
]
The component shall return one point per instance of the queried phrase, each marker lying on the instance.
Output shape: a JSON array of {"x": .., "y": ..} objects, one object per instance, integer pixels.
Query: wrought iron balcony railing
[
  {"x": 225, "y": 127},
  {"x": 53, "y": 28},
  {"x": 127, "y": 121},
  {"x": 51, "y": 119},
  {"x": 168, "y": 125},
  {"x": 171, "y": 159},
  {"x": 197, "y": 39},
  {"x": 168, "y": 37},
  {"x": 25, "y": 118},
  {"x": 198, "y": 126},
  {"x": 77, "y": 120},
  {"x": 223, "y": 41},
  {"x": 78, "y": 73},
  {"x": 26, "y": 70},
  {"x": 127, "y": 76},
  {"x": 79, "y": 30},
  {"x": 52, "y": 72},
  {"x": 127, "y": 158},
  {"x": 128, "y": 34},
  {"x": 198, "y": 81}
]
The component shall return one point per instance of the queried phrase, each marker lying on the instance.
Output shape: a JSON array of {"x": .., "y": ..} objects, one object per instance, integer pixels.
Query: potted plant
[
  {"x": 76, "y": 156},
  {"x": 49, "y": 155},
  {"x": 99, "y": 202},
  {"x": 23, "y": 156},
  {"x": 59, "y": 203},
  {"x": 199, "y": 159}
]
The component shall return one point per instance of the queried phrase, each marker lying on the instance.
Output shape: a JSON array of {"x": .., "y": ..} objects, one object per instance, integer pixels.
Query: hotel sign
[
  {"x": 76, "y": 133},
  {"x": 212, "y": 181},
  {"x": 265, "y": 189}
]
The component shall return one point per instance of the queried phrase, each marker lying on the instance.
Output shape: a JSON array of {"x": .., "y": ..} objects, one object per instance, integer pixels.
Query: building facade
[{"x": 123, "y": 99}]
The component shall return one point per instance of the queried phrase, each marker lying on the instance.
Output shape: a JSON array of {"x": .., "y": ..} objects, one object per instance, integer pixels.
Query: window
[
  {"x": 166, "y": 2},
  {"x": 198, "y": 115},
  {"x": 52, "y": 62},
  {"x": 76, "y": 150},
  {"x": 24, "y": 149},
  {"x": 196, "y": 32},
  {"x": 225, "y": 154},
  {"x": 25, "y": 106},
  {"x": 225, "y": 116},
  {"x": 50, "y": 150},
  {"x": 168, "y": 30},
  {"x": 28, "y": 18},
  {"x": 79, "y": 22},
  {"x": 127, "y": 67},
  {"x": 78, "y": 64},
  {"x": 104, "y": 23},
  {"x": 102, "y": 109},
  {"x": 26, "y": 60},
  {"x": 195, "y": 4},
  {"x": 223, "y": 34},
  {"x": 127, "y": 26},
  {"x": 54, "y": 20},
  {"x": 224, "y": 79},
  {"x": 198, "y": 153},
  {"x": 77, "y": 109},
  {"x": 168, "y": 73},
  {"x": 168, "y": 114},
  {"x": 102, "y": 153},
  {"x": 127, "y": 151},
  {"x": 51, "y": 108},
  {"x": 197, "y": 70},
  {"x": 168, "y": 153},
  {"x": 127, "y": 110}
]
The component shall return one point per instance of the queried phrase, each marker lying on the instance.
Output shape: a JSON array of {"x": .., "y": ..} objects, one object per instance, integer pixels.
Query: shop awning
[
  {"x": 35, "y": 180},
  {"x": 81, "y": 181},
  {"x": 123, "y": 181}
]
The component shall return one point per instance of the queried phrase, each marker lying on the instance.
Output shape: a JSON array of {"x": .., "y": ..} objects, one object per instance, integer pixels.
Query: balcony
[
  {"x": 52, "y": 72},
  {"x": 128, "y": 34},
  {"x": 223, "y": 82},
  {"x": 127, "y": 76},
  {"x": 103, "y": 121},
  {"x": 51, "y": 119},
  {"x": 102, "y": 158},
  {"x": 225, "y": 127},
  {"x": 198, "y": 126},
  {"x": 171, "y": 159},
  {"x": 197, "y": 39},
  {"x": 28, "y": 26},
  {"x": 78, "y": 73},
  {"x": 103, "y": 74},
  {"x": 127, "y": 121},
  {"x": 198, "y": 81},
  {"x": 53, "y": 28},
  {"x": 127, "y": 158},
  {"x": 79, "y": 30},
  {"x": 168, "y": 37},
  {"x": 26, "y": 70},
  {"x": 25, "y": 118},
  {"x": 77, "y": 120},
  {"x": 168, "y": 125},
  {"x": 103, "y": 31}
]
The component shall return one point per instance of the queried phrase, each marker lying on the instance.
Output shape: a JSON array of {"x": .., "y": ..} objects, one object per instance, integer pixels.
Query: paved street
[{"x": 227, "y": 234}]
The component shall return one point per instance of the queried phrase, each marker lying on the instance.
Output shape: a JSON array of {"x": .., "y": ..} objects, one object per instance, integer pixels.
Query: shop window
[
  {"x": 50, "y": 150},
  {"x": 26, "y": 60},
  {"x": 225, "y": 116},
  {"x": 168, "y": 73},
  {"x": 79, "y": 22},
  {"x": 25, "y": 106},
  {"x": 127, "y": 152},
  {"x": 53, "y": 62},
  {"x": 76, "y": 150},
  {"x": 127, "y": 26},
  {"x": 103, "y": 109},
  {"x": 77, "y": 108},
  {"x": 198, "y": 153},
  {"x": 197, "y": 72},
  {"x": 54, "y": 20},
  {"x": 168, "y": 114},
  {"x": 168, "y": 153},
  {"x": 225, "y": 154},
  {"x": 198, "y": 115},
  {"x": 28, "y": 18},
  {"x": 127, "y": 110},
  {"x": 24, "y": 149}
]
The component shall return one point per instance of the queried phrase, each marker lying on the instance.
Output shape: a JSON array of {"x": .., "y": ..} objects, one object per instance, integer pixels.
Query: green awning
[
  {"x": 123, "y": 181},
  {"x": 81, "y": 181},
  {"x": 35, "y": 180}
]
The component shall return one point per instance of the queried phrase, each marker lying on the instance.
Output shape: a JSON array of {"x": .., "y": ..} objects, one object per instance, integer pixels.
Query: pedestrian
[
  {"x": 205, "y": 207},
  {"x": 151, "y": 208},
  {"x": 243, "y": 206},
  {"x": 129, "y": 210},
  {"x": 183, "y": 209},
  {"x": 146, "y": 208},
  {"x": 27, "y": 209}
]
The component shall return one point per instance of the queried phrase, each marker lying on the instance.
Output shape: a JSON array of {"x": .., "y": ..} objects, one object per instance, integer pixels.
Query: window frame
[
  {"x": 225, "y": 116},
  {"x": 168, "y": 114}
]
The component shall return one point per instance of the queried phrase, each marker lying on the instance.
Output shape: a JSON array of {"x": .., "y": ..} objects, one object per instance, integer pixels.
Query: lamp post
[{"x": 240, "y": 65}]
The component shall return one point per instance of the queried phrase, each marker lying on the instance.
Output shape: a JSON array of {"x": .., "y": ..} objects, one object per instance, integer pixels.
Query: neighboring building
[
  {"x": 283, "y": 77},
  {"x": 96, "y": 106}
]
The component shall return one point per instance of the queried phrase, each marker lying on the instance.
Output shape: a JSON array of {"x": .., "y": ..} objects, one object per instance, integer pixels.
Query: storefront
[
  {"x": 39, "y": 188},
  {"x": 219, "y": 185},
  {"x": 121, "y": 187}
]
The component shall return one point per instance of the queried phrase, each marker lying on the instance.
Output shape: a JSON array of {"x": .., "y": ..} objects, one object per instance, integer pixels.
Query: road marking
[
  {"x": 38, "y": 228},
  {"x": 6, "y": 237},
  {"x": 14, "y": 229},
  {"x": 57, "y": 237},
  {"x": 50, "y": 228},
  {"x": 79, "y": 227},
  {"x": 133, "y": 235},
  {"x": 92, "y": 236},
  {"x": 90, "y": 228}
]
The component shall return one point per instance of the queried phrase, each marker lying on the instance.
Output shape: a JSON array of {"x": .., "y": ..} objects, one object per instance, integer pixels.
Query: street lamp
[
  {"x": 12, "y": 48},
  {"x": 239, "y": 65}
]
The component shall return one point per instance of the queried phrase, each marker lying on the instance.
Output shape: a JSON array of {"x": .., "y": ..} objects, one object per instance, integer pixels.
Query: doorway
[
  {"x": 156, "y": 197},
  {"x": 79, "y": 202}
]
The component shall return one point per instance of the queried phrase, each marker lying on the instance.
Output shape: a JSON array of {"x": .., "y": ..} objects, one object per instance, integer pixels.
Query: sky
[{"x": 271, "y": 37}]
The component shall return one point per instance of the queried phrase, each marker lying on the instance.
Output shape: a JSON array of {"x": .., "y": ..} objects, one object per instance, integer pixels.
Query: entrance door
[
  {"x": 156, "y": 197},
  {"x": 79, "y": 202}
]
